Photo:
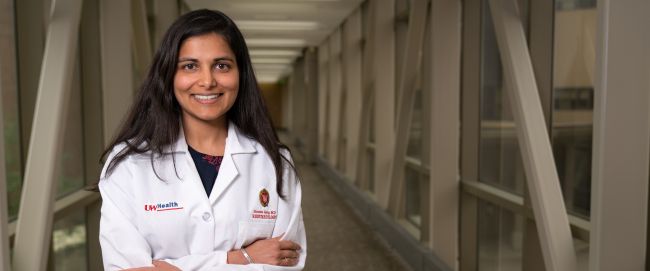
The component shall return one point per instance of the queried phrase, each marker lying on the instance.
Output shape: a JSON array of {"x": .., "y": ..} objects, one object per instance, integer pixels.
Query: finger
[
  {"x": 289, "y": 254},
  {"x": 286, "y": 244},
  {"x": 288, "y": 261}
]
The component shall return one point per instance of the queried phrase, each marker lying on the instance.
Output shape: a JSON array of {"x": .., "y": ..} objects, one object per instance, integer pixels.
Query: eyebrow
[{"x": 182, "y": 59}]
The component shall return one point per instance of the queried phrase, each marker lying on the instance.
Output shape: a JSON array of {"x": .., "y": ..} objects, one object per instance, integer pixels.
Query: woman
[{"x": 199, "y": 115}]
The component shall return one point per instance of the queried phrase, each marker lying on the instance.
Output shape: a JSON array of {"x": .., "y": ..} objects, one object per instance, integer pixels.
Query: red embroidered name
[{"x": 264, "y": 214}]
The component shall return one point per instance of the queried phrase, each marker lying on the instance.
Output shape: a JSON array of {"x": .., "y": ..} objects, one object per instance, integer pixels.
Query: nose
[{"x": 207, "y": 79}]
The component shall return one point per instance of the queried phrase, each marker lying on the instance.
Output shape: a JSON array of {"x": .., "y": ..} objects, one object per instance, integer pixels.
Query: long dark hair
[{"x": 153, "y": 122}]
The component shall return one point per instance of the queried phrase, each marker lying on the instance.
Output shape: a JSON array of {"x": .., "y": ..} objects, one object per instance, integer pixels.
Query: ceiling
[{"x": 276, "y": 31}]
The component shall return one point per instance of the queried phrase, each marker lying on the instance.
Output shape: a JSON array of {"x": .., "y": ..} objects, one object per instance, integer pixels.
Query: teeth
[{"x": 206, "y": 97}]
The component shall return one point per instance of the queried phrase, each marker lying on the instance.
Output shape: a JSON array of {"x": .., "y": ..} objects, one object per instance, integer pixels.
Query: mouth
[{"x": 206, "y": 99}]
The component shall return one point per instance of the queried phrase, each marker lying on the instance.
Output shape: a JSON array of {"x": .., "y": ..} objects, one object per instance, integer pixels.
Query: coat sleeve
[{"x": 289, "y": 222}]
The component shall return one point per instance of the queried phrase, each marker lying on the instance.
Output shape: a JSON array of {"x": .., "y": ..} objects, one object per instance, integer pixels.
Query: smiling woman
[{"x": 199, "y": 136}]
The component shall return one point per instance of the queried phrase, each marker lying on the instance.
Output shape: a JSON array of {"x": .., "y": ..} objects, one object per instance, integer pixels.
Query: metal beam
[
  {"x": 93, "y": 134},
  {"x": 470, "y": 133},
  {"x": 367, "y": 97},
  {"x": 353, "y": 88},
  {"x": 323, "y": 82},
  {"x": 619, "y": 201},
  {"x": 334, "y": 95},
  {"x": 34, "y": 227},
  {"x": 165, "y": 13},
  {"x": 116, "y": 63},
  {"x": 411, "y": 64},
  {"x": 31, "y": 28},
  {"x": 532, "y": 134},
  {"x": 384, "y": 93},
  {"x": 311, "y": 104},
  {"x": 446, "y": 21},
  {"x": 141, "y": 38},
  {"x": 541, "y": 16}
]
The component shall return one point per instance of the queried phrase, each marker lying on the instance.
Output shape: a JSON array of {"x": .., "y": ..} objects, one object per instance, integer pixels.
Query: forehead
[{"x": 208, "y": 45}]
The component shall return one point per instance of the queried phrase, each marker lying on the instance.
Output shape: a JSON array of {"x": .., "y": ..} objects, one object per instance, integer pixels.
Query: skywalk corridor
[
  {"x": 429, "y": 135},
  {"x": 337, "y": 239}
]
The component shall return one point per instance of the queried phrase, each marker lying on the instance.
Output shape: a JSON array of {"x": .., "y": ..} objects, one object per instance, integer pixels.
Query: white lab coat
[{"x": 144, "y": 218}]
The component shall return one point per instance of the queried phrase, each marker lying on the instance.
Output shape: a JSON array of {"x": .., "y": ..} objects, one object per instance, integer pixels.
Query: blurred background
[{"x": 428, "y": 134}]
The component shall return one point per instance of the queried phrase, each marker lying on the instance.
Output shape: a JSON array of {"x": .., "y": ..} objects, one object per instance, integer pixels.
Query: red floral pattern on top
[{"x": 213, "y": 160}]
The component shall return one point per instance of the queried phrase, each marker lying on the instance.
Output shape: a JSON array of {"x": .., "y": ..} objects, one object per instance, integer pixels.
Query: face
[{"x": 207, "y": 78}]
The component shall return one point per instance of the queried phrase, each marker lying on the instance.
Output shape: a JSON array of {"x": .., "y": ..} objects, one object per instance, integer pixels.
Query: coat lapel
[{"x": 236, "y": 144}]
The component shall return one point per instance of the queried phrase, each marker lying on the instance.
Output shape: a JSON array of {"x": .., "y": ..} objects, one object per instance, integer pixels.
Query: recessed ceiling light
[
  {"x": 268, "y": 78},
  {"x": 261, "y": 42},
  {"x": 271, "y": 60},
  {"x": 270, "y": 67},
  {"x": 272, "y": 25},
  {"x": 262, "y": 52}
]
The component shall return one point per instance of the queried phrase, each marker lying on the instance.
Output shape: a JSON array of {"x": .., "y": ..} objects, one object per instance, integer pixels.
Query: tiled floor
[{"x": 336, "y": 238}]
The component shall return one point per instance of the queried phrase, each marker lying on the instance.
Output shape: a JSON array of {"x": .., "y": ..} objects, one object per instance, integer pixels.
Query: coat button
[{"x": 206, "y": 216}]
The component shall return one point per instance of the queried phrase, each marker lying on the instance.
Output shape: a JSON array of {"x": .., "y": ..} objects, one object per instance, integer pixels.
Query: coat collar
[{"x": 236, "y": 141}]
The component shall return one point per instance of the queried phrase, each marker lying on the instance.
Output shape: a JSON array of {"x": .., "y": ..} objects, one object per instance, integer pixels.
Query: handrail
[
  {"x": 541, "y": 174},
  {"x": 35, "y": 215},
  {"x": 515, "y": 204},
  {"x": 63, "y": 207}
]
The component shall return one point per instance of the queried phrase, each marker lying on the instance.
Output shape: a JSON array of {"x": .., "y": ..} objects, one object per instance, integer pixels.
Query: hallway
[{"x": 337, "y": 239}]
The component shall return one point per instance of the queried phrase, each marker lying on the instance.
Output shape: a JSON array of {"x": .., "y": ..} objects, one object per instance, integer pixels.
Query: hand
[
  {"x": 157, "y": 266},
  {"x": 164, "y": 266},
  {"x": 274, "y": 252}
]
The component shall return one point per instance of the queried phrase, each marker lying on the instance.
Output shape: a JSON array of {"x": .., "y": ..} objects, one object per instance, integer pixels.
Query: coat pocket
[{"x": 250, "y": 232}]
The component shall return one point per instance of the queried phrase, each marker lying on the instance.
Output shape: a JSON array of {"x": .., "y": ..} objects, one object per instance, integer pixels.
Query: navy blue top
[{"x": 207, "y": 166}]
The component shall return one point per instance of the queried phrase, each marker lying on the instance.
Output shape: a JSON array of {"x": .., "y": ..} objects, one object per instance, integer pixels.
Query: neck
[{"x": 206, "y": 137}]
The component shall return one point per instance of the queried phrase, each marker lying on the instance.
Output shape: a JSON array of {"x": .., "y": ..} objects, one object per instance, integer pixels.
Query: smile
[{"x": 207, "y": 98}]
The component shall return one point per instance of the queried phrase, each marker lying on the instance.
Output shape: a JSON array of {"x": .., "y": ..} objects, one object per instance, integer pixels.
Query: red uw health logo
[{"x": 160, "y": 207}]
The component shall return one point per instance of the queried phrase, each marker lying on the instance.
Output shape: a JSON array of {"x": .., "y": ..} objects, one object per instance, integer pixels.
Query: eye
[
  {"x": 222, "y": 67},
  {"x": 189, "y": 66}
]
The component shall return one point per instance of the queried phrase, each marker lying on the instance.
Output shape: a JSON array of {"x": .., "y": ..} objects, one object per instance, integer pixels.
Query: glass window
[
  {"x": 343, "y": 139},
  {"x": 500, "y": 158},
  {"x": 370, "y": 160},
  {"x": 414, "y": 148},
  {"x": 69, "y": 243},
  {"x": 573, "y": 100},
  {"x": 11, "y": 137},
  {"x": 11, "y": 120},
  {"x": 71, "y": 161},
  {"x": 401, "y": 35},
  {"x": 574, "y": 4},
  {"x": 582, "y": 253},
  {"x": 412, "y": 179},
  {"x": 371, "y": 131},
  {"x": 500, "y": 238}
]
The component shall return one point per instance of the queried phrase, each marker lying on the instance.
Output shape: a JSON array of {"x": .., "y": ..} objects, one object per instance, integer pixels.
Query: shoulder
[{"x": 119, "y": 161}]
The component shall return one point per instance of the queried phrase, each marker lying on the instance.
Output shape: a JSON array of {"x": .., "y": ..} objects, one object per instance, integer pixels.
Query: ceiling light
[
  {"x": 260, "y": 52},
  {"x": 271, "y": 60},
  {"x": 268, "y": 79},
  {"x": 259, "y": 42},
  {"x": 268, "y": 25}
]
